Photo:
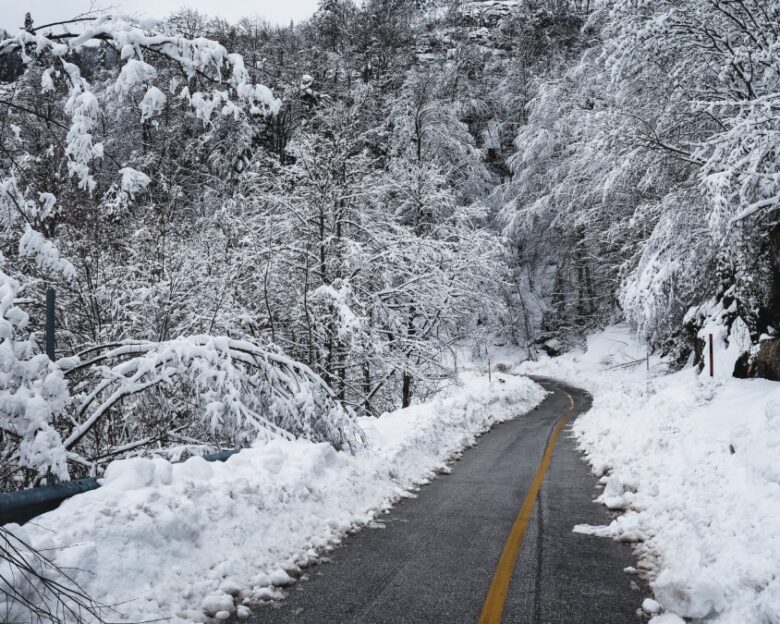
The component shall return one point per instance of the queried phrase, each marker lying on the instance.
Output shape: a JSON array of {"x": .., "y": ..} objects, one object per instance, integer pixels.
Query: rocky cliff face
[{"x": 487, "y": 13}]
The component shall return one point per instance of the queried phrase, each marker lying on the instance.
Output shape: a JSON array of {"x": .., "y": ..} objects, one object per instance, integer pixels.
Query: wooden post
[
  {"x": 490, "y": 379},
  {"x": 712, "y": 359}
]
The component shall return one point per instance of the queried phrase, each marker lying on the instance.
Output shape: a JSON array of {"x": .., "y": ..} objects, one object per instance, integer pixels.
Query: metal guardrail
[{"x": 22, "y": 506}]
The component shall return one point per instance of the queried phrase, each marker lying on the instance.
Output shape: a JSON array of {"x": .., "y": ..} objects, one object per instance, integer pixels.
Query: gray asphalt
[{"x": 434, "y": 561}]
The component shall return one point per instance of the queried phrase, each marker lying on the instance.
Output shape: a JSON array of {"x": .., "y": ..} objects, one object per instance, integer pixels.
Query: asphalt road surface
[{"x": 437, "y": 559}]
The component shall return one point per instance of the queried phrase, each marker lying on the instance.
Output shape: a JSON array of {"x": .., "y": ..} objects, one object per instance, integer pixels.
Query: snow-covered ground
[
  {"x": 691, "y": 463},
  {"x": 694, "y": 463},
  {"x": 196, "y": 540}
]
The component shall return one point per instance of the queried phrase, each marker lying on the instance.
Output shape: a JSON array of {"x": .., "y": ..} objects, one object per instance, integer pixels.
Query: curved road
[{"x": 434, "y": 561}]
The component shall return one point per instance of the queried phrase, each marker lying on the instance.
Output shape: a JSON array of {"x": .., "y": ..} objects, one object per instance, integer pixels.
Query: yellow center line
[{"x": 493, "y": 607}]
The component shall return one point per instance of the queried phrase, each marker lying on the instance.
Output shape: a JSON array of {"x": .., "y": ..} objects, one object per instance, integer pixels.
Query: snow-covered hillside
[
  {"x": 694, "y": 464},
  {"x": 184, "y": 541}
]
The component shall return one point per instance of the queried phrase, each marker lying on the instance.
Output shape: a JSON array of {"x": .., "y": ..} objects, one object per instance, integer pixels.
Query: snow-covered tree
[{"x": 33, "y": 393}]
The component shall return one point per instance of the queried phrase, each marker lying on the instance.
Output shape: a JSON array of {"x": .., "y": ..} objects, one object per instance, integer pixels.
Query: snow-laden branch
[
  {"x": 216, "y": 82},
  {"x": 133, "y": 37},
  {"x": 236, "y": 385}
]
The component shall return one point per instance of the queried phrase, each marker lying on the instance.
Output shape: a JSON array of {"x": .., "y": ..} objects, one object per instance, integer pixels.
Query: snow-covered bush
[
  {"x": 33, "y": 393},
  {"x": 236, "y": 389}
]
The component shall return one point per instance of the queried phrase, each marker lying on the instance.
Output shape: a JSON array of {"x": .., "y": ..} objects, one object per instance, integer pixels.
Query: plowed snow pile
[
  {"x": 695, "y": 464},
  {"x": 196, "y": 539}
]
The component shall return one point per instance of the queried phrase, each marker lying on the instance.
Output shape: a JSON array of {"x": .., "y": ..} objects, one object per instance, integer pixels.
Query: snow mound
[
  {"x": 694, "y": 463},
  {"x": 195, "y": 540}
]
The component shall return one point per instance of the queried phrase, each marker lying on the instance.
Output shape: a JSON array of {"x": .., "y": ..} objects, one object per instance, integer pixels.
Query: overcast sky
[{"x": 45, "y": 11}]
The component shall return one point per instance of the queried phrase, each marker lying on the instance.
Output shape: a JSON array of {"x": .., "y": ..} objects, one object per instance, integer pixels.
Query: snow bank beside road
[
  {"x": 186, "y": 541},
  {"x": 695, "y": 464}
]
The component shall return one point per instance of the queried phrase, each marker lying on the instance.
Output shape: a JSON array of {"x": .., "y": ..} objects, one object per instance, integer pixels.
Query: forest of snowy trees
[{"x": 254, "y": 229}]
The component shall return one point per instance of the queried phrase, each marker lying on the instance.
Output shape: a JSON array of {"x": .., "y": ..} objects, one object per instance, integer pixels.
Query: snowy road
[{"x": 434, "y": 560}]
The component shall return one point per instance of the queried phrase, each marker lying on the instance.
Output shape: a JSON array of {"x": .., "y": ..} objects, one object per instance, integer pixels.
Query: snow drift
[
  {"x": 195, "y": 540},
  {"x": 694, "y": 463}
]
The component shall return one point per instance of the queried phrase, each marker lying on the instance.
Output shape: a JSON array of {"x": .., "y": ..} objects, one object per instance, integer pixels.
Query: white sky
[{"x": 45, "y": 11}]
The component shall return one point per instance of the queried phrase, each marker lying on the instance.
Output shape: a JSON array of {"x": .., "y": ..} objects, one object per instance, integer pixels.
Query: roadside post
[
  {"x": 712, "y": 358},
  {"x": 51, "y": 343}
]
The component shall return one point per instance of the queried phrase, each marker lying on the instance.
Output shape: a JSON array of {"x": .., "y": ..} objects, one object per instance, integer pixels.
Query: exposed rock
[
  {"x": 550, "y": 344},
  {"x": 766, "y": 363},
  {"x": 487, "y": 13}
]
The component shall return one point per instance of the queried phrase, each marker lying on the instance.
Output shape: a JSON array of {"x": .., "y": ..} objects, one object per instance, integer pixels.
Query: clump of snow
[
  {"x": 138, "y": 472},
  {"x": 694, "y": 462},
  {"x": 152, "y": 103},
  {"x": 133, "y": 73},
  {"x": 194, "y": 540},
  {"x": 650, "y": 606},
  {"x": 340, "y": 298},
  {"x": 133, "y": 181},
  {"x": 667, "y": 618},
  {"x": 45, "y": 253},
  {"x": 84, "y": 109}
]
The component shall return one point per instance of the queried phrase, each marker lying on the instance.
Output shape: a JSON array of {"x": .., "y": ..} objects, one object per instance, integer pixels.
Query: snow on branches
[
  {"x": 32, "y": 390},
  {"x": 236, "y": 390},
  {"x": 76, "y": 146},
  {"x": 234, "y": 386},
  {"x": 656, "y": 156},
  {"x": 133, "y": 39},
  {"x": 215, "y": 81}
]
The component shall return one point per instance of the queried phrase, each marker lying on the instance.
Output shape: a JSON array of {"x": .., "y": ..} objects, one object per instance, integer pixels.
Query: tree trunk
[{"x": 406, "y": 390}]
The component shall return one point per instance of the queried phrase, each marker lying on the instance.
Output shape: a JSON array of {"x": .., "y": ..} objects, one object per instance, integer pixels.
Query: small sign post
[{"x": 51, "y": 343}]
